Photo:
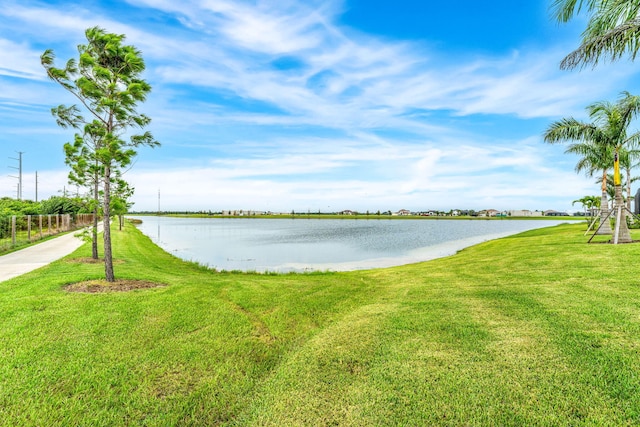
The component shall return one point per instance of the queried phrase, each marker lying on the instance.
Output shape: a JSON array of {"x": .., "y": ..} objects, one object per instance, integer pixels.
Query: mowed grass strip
[{"x": 535, "y": 329}]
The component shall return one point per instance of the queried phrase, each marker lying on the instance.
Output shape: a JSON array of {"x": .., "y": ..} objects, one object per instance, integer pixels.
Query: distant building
[
  {"x": 242, "y": 213},
  {"x": 489, "y": 212},
  {"x": 555, "y": 213},
  {"x": 524, "y": 212},
  {"x": 403, "y": 212}
]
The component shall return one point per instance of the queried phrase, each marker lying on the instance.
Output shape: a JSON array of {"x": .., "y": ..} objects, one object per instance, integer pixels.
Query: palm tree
[
  {"x": 589, "y": 203},
  {"x": 618, "y": 117},
  {"x": 594, "y": 157},
  {"x": 611, "y": 189},
  {"x": 629, "y": 159},
  {"x": 613, "y": 29},
  {"x": 627, "y": 196},
  {"x": 607, "y": 132}
]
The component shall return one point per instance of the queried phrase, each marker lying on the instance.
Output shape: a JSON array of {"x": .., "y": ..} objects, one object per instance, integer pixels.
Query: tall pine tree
[{"x": 106, "y": 80}]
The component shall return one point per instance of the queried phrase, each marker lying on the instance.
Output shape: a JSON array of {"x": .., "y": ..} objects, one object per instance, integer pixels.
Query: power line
[{"x": 19, "y": 177}]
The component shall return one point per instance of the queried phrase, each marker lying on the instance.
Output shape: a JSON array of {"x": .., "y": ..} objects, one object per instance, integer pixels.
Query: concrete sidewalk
[{"x": 37, "y": 255}]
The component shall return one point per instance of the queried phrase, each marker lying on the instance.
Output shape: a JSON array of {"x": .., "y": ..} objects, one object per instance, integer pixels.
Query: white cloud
[
  {"x": 384, "y": 114},
  {"x": 18, "y": 60},
  {"x": 441, "y": 178},
  {"x": 382, "y": 80}
]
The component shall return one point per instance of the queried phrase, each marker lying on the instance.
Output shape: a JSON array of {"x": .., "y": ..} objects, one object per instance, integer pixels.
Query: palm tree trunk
[
  {"x": 622, "y": 231},
  {"x": 628, "y": 170},
  {"x": 605, "y": 224}
]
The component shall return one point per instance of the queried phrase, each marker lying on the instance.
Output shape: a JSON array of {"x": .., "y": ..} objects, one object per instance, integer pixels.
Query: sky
[{"x": 318, "y": 105}]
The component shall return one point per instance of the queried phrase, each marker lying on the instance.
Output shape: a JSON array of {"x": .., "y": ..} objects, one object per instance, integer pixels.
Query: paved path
[{"x": 37, "y": 255}]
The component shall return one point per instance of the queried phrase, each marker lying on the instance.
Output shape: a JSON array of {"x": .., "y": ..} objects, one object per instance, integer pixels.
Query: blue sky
[{"x": 319, "y": 104}]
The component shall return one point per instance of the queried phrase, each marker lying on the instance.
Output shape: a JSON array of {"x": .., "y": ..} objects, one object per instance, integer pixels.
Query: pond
[{"x": 299, "y": 245}]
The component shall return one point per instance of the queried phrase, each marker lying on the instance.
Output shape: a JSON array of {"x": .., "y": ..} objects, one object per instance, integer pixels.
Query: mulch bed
[
  {"x": 89, "y": 260},
  {"x": 99, "y": 286}
]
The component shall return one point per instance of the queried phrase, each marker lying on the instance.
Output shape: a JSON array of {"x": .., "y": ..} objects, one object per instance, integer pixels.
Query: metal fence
[{"x": 21, "y": 230}]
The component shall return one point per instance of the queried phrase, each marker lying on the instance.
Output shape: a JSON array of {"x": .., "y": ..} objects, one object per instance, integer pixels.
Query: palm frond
[{"x": 612, "y": 44}]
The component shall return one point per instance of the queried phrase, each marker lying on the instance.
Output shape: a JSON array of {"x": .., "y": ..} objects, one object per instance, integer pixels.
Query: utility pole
[
  {"x": 19, "y": 169},
  {"x": 158, "y": 202},
  {"x": 36, "y": 186}
]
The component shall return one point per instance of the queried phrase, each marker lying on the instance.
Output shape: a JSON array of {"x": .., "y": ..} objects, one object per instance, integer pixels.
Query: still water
[{"x": 284, "y": 245}]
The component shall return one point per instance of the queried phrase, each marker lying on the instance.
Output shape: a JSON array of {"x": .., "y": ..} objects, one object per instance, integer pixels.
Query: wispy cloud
[
  {"x": 281, "y": 102},
  {"x": 436, "y": 178},
  {"x": 338, "y": 79}
]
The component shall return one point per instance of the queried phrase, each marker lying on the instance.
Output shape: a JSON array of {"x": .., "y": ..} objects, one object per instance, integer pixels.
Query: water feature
[{"x": 283, "y": 245}]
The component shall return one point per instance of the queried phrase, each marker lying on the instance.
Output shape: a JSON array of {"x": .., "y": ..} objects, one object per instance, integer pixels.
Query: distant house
[
  {"x": 555, "y": 213},
  {"x": 347, "y": 212},
  {"x": 403, "y": 212},
  {"x": 251, "y": 213},
  {"x": 489, "y": 213},
  {"x": 524, "y": 212}
]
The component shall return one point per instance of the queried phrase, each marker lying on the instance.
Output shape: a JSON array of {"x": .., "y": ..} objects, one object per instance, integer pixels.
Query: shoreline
[
  {"x": 253, "y": 262},
  {"x": 428, "y": 253}
]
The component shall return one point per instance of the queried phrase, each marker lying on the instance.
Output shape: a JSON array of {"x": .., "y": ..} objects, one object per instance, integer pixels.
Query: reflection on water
[{"x": 253, "y": 244}]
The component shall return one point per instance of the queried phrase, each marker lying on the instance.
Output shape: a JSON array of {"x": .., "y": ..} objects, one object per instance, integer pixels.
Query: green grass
[{"x": 535, "y": 329}]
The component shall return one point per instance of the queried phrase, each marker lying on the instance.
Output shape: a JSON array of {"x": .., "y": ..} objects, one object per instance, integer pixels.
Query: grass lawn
[{"x": 535, "y": 329}]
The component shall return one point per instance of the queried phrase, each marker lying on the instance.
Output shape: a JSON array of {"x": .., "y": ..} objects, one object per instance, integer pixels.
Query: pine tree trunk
[
  {"x": 94, "y": 236},
  {"x": 108, "y": 257}
]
